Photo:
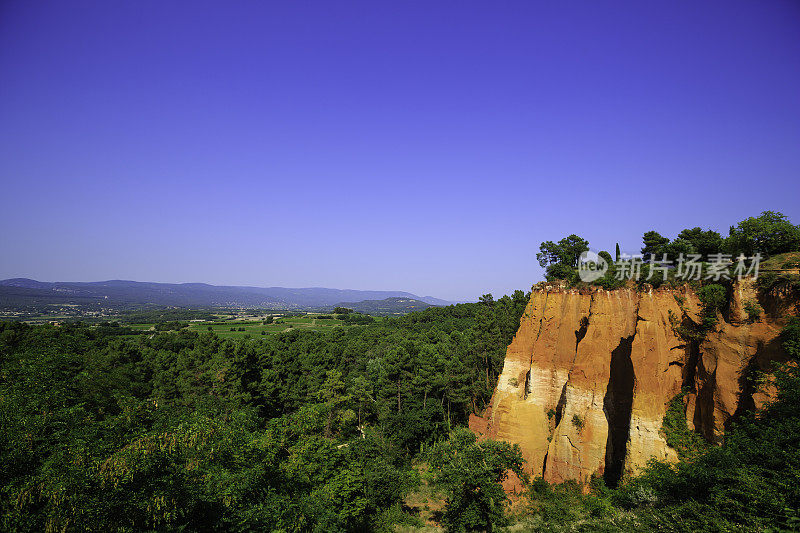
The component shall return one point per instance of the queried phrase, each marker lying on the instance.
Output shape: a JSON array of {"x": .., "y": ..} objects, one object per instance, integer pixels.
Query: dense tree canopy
[
  {"x": 702, "y": 242},
  {"x": 654, "y": 243},
  {"x": 769, "y": 233},
  {"x": 105, "y": 429}
]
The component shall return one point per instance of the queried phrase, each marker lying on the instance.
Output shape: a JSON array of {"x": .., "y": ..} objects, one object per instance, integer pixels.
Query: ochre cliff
[{"x": 589, "y": 375}]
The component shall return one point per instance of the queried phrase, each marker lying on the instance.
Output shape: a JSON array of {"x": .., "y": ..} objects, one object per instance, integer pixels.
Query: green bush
[
  {"x": 609, "y": 282},
  {"x": 753, "y": 310},
  {"x": 564, "y": 507},
  {"x": 790, "y": 338},
  {"x": 766, "y": 281},
  {"x": 470, "y": 473},
  {"x": 684, "y": 441},
  {"x": 714, "y": 297},
  {"x": 555, "y": 504},
  {"x": 769, "y": 281},
  {"x": 561, "y": 271}
]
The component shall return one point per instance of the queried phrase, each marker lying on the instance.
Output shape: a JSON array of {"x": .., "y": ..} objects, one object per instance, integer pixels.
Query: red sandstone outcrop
[{"x": 588, "y": 377}]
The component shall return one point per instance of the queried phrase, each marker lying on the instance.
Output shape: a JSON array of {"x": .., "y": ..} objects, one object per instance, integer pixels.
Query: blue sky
[{"x": 420, "y": 146}]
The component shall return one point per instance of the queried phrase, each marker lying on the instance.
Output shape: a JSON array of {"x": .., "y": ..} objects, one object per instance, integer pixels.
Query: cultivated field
[{"x": 235, "y": 326}]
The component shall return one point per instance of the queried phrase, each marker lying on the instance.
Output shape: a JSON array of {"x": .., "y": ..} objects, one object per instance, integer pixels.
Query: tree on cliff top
[
  {"x": 769, "y": 233},
  {"x": 654, "y": 243},
  {"x": 704, "y": 242},
  {"x": 561, "y": 259}
]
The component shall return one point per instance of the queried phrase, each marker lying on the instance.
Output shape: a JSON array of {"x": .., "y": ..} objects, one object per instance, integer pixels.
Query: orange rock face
[{"x": 588, "y": 377}]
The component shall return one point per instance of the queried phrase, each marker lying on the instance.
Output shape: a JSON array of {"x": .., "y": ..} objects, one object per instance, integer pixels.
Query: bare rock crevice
[{"x": 617, "y": 405}]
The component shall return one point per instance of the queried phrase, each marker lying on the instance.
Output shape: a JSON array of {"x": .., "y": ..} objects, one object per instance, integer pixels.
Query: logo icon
[{"x": 591, "y": 267}]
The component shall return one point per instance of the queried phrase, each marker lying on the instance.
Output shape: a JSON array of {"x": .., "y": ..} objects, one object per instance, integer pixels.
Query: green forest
[{"x": 108, "y": 429}]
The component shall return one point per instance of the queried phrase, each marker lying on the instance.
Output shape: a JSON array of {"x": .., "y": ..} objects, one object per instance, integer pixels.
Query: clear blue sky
[{"x": 420, "y": 146}]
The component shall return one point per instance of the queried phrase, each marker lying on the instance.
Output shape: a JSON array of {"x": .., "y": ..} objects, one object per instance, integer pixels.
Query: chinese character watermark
[{"x": 691, "y": 267}]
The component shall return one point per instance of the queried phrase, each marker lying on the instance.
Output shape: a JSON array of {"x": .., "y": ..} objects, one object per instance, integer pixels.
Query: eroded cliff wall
[{"x": 589, "y": 375}]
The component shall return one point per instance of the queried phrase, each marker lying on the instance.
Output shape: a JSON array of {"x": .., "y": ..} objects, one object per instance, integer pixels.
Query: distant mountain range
[{"x": 22, "y": 292}]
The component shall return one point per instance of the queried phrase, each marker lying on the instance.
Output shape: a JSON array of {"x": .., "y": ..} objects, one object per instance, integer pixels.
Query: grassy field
[
  {"x": 252, "y": 325},
  {"x": 254, "y": 328},
  {"x": 785, "y": 261}
]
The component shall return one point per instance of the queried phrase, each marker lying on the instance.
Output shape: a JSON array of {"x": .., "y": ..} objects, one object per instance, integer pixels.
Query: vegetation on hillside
[
  {"x": 107, "y": 429},
  {"x": 102, "y": 428}
]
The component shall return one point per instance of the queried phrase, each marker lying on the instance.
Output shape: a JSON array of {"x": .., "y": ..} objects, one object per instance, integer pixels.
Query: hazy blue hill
[
  {"x": 25, "y": 292},
  {"x": 435, "y": 301},
  {"x": 25, "y": 283},
  {"x": 319, "y": 296},
  {"x": 387, "y": 306}
]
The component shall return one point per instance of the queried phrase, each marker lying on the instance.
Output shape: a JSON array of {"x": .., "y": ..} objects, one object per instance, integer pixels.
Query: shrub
[
  {"x": 609, "y": 281},
  {"x": 676, "y": 431},
  {"x": 790, "y": 338},
  {"x": 577, "y": 421},
  {"x": 560, "y": 507},
  {"x": 714, "y": 297},
  {"x": 753, "y": 310},
  {"x": 561, "y": 271},
  {"x": 773, "y": 280},
  {"x": 470, "y": 473},
  {"x": 767, "y": 281},
  {"x": 555, "y": 504}
]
